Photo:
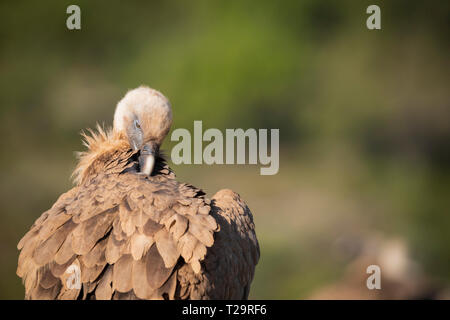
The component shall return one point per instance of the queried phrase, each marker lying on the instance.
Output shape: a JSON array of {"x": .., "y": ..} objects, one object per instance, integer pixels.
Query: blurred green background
[{"x": 363, "y": 117}]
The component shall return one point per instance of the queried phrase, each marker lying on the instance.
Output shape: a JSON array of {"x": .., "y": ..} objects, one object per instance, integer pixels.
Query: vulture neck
[{"x": 109, "y": 152}]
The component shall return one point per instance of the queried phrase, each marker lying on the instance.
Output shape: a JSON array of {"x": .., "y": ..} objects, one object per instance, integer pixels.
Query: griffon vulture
[{"x": 131, "y": 230}]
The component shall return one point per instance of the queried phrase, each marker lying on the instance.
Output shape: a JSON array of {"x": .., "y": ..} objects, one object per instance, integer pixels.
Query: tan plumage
[{"x": 134, "y": 235}]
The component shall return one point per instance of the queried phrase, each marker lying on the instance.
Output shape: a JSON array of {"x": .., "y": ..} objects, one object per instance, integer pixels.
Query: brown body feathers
[{"x": 133, "y": 236}]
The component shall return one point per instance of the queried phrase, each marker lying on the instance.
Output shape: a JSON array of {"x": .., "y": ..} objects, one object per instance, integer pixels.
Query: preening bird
[{"x": 130, "y": 230}]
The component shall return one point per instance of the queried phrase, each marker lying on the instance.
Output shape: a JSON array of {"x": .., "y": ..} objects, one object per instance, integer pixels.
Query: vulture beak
[{"x": 147, "y": 158}]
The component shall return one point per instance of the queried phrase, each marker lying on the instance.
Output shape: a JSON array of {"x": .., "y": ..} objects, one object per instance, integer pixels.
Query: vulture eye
[{"x": 136, "y": 124}]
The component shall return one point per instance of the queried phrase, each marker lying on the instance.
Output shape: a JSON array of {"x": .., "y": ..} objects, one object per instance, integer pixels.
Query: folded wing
[{"x": 127, "y": 235}]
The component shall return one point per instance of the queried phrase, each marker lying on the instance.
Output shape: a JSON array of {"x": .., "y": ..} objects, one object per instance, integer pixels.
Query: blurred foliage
[{"x": 363, "y": 116}]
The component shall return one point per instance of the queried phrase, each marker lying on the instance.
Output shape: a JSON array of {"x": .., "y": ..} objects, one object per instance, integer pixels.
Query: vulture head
[{"x": 144, "y": 117}]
